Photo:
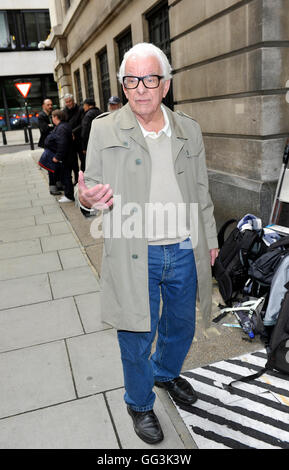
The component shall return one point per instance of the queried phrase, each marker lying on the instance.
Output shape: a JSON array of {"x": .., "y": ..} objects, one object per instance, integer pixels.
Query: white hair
[
  {"x": 68, "y": 96},
  {"x": 146, "y": 49}
]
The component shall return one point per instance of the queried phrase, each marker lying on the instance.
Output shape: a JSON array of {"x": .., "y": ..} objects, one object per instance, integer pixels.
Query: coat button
[
  {"x": 134, "y": 256},
  {"x": 138, "y": 161},
  {"x": 125, "y": 144}
]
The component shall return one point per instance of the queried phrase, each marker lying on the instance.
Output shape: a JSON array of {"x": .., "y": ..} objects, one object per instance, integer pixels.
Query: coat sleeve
[{"x": 207, "y": 207}]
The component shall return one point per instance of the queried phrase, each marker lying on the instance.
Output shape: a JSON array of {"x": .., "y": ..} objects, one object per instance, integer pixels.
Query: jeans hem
[{"x": 140, "y": 408}]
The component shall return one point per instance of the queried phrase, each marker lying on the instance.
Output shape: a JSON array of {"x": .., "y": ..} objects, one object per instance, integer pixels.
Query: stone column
[{"x": 231, "y": 68}]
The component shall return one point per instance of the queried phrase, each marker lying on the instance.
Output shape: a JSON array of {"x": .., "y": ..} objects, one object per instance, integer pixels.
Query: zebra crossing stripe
[{"x": 256, "y": 416}]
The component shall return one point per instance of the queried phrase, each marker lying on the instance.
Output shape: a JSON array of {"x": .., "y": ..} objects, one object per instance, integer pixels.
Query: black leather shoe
[
  {"x": 180, "y": 390},
  {"x": 146, "y": 426}
]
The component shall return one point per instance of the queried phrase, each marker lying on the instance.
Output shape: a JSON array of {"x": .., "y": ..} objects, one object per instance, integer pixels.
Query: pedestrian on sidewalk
[
  {"x": 60, "y": 143},
  {"x": 151, "y": 156},
  {"x": 114, "y": 103},
  {"x": 46, "y": 126},
  {"x": 74, "y": 114},
  {"x": 90, "y": 113},
  {"x": 45, "y": 123}
]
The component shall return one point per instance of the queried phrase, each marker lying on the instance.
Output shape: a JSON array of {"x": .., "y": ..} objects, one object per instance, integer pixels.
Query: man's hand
[
  {"x": 55, "y": 160},
  {"x": 214, "y": 254},
  {"x": 99, "y": 197}
]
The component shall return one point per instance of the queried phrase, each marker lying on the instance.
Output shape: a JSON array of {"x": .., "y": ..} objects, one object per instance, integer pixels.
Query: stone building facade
[
  {"x": 231, "y": 74},
  {"x": 23, "y": 25}
]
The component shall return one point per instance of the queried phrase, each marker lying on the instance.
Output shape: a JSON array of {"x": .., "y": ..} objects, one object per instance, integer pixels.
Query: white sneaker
[{"x": 64, "y": 199}]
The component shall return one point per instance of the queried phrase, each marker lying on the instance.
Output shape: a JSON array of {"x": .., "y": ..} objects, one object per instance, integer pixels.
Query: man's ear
[{"x": 166, "y": 87}]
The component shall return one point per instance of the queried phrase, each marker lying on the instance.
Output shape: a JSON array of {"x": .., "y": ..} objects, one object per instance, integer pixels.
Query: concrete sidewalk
[{"x": 60, "y": 367}]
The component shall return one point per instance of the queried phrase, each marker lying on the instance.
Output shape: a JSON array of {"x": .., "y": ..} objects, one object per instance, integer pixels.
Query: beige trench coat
[{"x": 117, "y": 154}]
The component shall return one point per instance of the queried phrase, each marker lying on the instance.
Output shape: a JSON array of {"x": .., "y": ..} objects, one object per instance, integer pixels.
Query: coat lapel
[
  {"x": 178, "y": 136},
  {"x": 130, "y": 127}
]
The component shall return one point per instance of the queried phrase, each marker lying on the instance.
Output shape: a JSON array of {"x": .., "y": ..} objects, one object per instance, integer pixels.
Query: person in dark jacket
[
  {"x": 45, "y": 123},
  {"x": 90, "y": 113},
  {"x": 46, "y": 126},
  {"x": 74, "y": 114},
  {"x": 60, "y": 143}
]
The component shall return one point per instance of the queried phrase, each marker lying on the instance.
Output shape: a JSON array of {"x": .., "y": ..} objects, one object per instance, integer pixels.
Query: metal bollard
[
  {"x": 26, "y": 135},
  {"x": 4, "y": 137}
]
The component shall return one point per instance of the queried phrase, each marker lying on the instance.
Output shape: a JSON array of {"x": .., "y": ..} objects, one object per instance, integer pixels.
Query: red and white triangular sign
[{"x": 24, "y": 88}]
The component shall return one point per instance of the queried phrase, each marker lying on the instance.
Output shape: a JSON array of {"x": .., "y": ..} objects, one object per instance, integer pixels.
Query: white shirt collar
[{"x": 166, "y": 129}]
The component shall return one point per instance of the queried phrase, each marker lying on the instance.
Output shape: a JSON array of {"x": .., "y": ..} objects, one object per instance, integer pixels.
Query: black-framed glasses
[{"x": 149, "y": 81}]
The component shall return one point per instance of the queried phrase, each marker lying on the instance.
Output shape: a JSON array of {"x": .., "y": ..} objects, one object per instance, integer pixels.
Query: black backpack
[
  {"x": 231, "y": 266},
  {"x": 278, "y": 346},
  {"x": 263, "y": 269}
]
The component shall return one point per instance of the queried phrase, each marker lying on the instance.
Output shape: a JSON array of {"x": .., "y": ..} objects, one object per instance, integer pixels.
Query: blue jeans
[{"x": 172, "y": 272}]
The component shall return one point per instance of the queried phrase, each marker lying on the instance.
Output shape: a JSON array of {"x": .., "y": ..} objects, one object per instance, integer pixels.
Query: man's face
[
  {"x": 47, "y": 106},
  {"x": 143, "y": 101},
  {"x": 69, "y": 103},
  {"x": 86, "y": 107}
]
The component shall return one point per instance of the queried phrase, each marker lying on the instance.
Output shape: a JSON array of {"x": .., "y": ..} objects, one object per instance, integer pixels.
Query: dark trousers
[
  {"x": 67, "y": 182},
  {"x": 54, "y": 177}
]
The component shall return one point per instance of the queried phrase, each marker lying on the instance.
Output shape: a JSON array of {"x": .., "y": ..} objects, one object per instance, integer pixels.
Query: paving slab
[
  {"x": 24, "y": 291},
  {"x": 29, "y": 265},
  {"x": 49, "y": 218},
  {"x": 8, "y": 214},
  {"x": 44, "y": 201},
  {"x": 58, "y": 228},
  {"x": 89, "y": 309},
  {"x": 18, "y": 222},
  {"x": 11, "y": 205},
  {"x": 33, "y": 378},
  {"x": 93, "y": 358},
  {"x": 81, "y": 424},
  {"x": 72, "y": 258},
  {"x": 51, "y": 209},
  {"x": 126, "y": 434},
  {"x": 11, "y": 235},
  {"x": 39, "y": 323},
  {"x": 73, "y": 281},
  {"x": 58, "y": 242},
  {"x": 15, "y": 249}
]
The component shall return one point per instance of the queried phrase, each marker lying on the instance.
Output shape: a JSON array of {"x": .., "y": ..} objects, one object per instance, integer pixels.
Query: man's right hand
[{"x": 98, "y": 197}]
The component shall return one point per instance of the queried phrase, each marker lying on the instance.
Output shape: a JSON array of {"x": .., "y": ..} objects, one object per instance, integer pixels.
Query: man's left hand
[{"x": 214, "y": 254}]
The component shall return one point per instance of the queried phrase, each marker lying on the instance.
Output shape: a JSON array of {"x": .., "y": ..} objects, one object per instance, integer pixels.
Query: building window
[
  {"x": 88, "y": 80},
  {"x": 159, "y": 34},
  {"x": 104, "y": 79},
  {"x": 124, "y": 43},
  {"x": 22, "y": 29},
  {"x": 78, "y": 89}
]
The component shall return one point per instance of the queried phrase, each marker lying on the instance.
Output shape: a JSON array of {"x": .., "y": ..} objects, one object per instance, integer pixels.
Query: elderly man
[{"x": 145, "y": 158}]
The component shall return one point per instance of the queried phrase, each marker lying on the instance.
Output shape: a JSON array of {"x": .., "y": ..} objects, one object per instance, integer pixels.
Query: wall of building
[
  {"x": 23, "y": 4},
  {"x": 24, "y": 62},
  {"x": 231, "y": 69},
  {"x": 230, "y": 60}
]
